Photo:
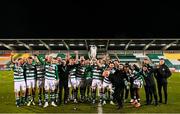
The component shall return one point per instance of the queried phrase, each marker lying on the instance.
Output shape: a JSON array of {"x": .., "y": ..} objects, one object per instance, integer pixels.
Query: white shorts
[
  {"x": 30, "y": 83},
  {"x": 69, "y": 83},
  {"x": 50, "y": 84},
  {"x": 137, "y": 84},
  {"x": 78, "y": 81},
  {"x": 19, "y": 85},
  {"x": 107, "y": 85},
  {"x": 96, "y": 83},
  {"x": 56, "y": 84},
  {"x": 40, "y": 83},
  {"x": 74, "y": 82}
]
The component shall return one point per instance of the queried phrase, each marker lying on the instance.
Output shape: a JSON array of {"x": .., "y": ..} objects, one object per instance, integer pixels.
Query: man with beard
[
  {"x": 117, "y": 81},
  {"x": 63, "y": 72}
]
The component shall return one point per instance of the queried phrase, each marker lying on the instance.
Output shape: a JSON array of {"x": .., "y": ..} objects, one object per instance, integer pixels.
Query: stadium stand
[
  {"x": 4, "y": 60},
  {"x": 127, "y": 58},
  {"x": 127, "y": 50},
  {"x": 174, "y": 58},
  {"x": 154, "y": 57}
]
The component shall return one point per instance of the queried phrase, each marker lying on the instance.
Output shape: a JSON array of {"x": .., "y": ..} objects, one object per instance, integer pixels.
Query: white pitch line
[{"x": 100, "y": 111}]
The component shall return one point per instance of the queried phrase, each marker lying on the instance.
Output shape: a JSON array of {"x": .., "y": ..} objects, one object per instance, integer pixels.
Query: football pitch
[{"x": 7, "y": 101}]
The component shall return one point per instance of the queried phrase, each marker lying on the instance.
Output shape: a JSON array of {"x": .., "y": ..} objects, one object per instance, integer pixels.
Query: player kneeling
[
  {"x": 19, "y": 82},
  {"x": 51, "y": 75}
]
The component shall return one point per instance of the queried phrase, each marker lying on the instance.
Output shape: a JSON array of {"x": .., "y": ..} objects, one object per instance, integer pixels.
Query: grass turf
[{"x": 7, "y": 101}]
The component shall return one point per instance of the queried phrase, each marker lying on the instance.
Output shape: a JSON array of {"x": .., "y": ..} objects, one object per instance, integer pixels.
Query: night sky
[{"x": 88, "y": 18}]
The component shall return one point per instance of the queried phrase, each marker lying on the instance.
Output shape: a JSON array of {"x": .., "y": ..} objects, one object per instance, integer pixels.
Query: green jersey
[
  {"x": 97, "y": 72},
  {"x": 40, "y": 71},
  {"x": 138, "y": 75},
  {"x": 88, "y": 72},
  {"x": 80, "y": 71},
  {"x": 18, "y": 73},
  {"x": 73, "y": 70},
  {"x": 30, "y": 71},
  {"x": 41, "y": 58},
  {"x": 51, "y": 72}
]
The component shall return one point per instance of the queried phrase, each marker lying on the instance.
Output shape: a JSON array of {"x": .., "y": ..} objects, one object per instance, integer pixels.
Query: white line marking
[{"x": 100, "y": 111}]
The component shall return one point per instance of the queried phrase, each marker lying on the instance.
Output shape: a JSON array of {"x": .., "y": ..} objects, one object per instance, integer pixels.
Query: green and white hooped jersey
[
  {"x": 106, "y": 79},
  {"x": 97, "y": 72},
  {"x": 51, "y": 72},
  {"x": 40, "y": 71},
  {"x": 80, "y": 71},
  {"x": 72, "y": 72},
  {"x": 88, "y": 72},
  {"x": 137, "y": 76},
  {"x": 30, "y": 71},
  {"x": 18, "y": 73}
]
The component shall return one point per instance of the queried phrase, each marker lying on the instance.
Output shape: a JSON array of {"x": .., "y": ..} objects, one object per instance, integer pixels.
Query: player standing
[
  {"x": 97, "y": 71},
  {"x": 107, "y": 85},
  {"x": 40, "y": 77},
  {"x": 80, "y": 78},
  {"x": 137, "y": 85},
  {"x": 88, "y": 79},
  {"x": 51, "y": 75},
  {"x": 72, "y": 76},
  {"x": 30, "y": 74},
  {"x": 19, "y": 81}
]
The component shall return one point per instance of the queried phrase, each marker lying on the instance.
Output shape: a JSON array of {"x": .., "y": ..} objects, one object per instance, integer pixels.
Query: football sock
[
  {"x": 46, "y": 96},
  {"x": 52, "y": 95},
  {"x": 17, "y": 101}
]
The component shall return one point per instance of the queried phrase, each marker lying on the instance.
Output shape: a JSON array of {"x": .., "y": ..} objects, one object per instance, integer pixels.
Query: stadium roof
[{"x": 84, "y": 44}]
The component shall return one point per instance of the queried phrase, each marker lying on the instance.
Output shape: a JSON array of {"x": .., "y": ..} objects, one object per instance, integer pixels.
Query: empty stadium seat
[
  {"x": 155, "y": 57},
  {"x": 175, "y": 62},
  {"x": 127, "y": 58},
  {"x": 172, "y": 56},
  {"x": 168, "y": 63}
]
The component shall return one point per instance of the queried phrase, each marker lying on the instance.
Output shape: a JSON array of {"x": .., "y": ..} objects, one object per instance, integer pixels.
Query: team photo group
[{"x": 54, "y": 80}]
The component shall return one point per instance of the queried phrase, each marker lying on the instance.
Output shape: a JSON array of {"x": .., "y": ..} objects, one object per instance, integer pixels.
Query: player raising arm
[
  {"x": 107, "y": 85},
  {"x": 19, "y": 82}
]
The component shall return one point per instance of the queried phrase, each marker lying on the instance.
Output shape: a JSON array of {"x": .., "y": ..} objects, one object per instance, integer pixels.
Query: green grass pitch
[{"x": 7, "y": 101}]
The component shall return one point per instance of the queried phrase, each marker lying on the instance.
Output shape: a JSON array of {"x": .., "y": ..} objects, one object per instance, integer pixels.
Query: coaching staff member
[
  {"x": 117, "y": 81},
  {"x": 150, "y": 86},
  {"x": 63, "y": 70},
  {"x": 162, "y": 73}
]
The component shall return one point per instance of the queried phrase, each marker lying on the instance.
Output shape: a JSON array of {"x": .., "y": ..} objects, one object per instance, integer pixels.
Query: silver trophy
[{"x": 93, "y": 52}]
